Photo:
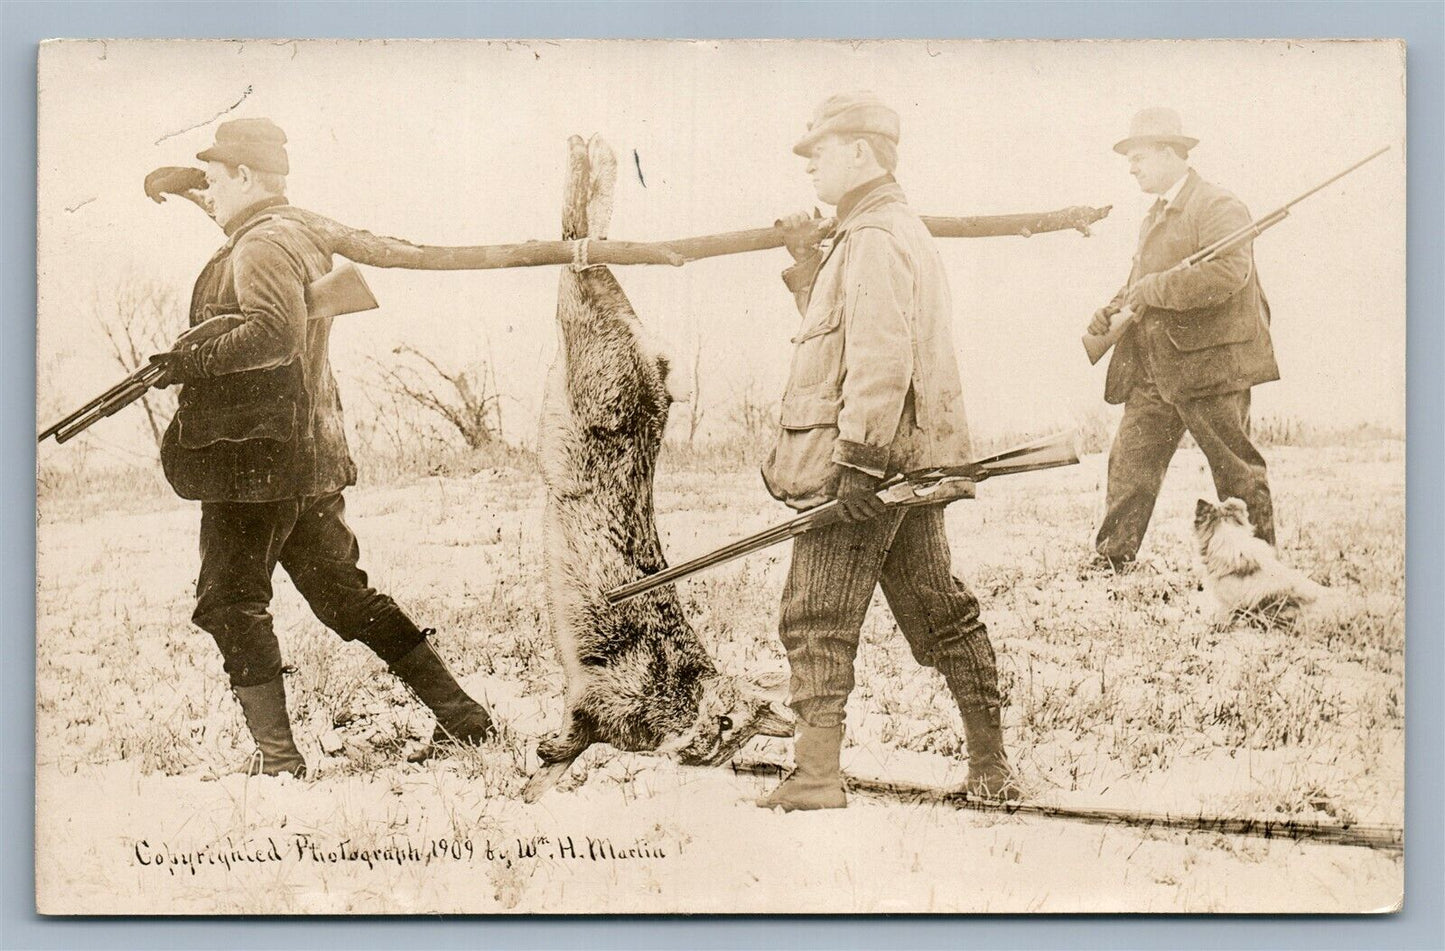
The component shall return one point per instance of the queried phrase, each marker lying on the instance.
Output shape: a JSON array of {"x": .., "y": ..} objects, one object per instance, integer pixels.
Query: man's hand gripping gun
[
  {"x": 342, "y": 291},
  {"x": 925, "y": 487},
  {"x": 1122, "y": 318}
]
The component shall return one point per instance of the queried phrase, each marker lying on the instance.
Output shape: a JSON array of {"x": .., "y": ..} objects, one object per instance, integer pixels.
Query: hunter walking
[
  {"x": 1199, "y": 340},
  {"x": 258, "y": 439},
  {"x": 874, "y": 390}
]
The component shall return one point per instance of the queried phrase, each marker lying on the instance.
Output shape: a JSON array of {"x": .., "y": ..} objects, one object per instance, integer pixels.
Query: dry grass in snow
[{"x": 1118, "y": 693}]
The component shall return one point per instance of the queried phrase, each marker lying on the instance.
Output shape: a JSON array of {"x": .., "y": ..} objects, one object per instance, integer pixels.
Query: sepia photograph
[{"x": 734, "y": 477}]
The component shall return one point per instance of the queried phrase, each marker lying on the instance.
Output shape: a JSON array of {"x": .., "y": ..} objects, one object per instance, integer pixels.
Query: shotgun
[
  {"x": 937, "y": 486},
  {"x": 341, "y": 291},
  {"x": 1096, "y": 345}
]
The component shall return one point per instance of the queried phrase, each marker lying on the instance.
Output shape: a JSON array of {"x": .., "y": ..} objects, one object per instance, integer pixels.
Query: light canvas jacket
[{"x": 874, "y": 382}]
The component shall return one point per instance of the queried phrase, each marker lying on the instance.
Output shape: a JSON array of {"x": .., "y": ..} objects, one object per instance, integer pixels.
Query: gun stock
[
  {"x": 341, "y": 291},
  {"x": 1096, "y": 345},
  {"x": 338, "y": 293}
]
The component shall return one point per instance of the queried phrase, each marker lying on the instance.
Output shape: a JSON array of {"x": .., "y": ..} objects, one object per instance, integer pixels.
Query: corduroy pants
[{"x": 830, "y": 585}]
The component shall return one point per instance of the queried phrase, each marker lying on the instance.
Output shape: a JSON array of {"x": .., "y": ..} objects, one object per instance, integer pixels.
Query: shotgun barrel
[
  {"x": 1096, "y": 345},
  {"x": 937, "y": 486},
  {"x": 340, "y": 291}
]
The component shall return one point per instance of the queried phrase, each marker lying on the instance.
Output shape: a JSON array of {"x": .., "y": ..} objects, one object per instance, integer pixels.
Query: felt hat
[
  {"x": 849, "y": 112},
  {"x": 1157, "y": 125},
  {"x": 258, "y": 143}
]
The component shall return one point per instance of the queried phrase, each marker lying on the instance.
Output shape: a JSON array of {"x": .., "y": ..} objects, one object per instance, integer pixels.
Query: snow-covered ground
[{"x": 1119, "y": 693}]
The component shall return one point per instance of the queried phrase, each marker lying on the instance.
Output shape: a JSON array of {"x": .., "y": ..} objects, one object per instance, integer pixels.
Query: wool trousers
[
  {"x": 241, "y": 544},
  {"x": 1147, "y": 438},
  {"x": 830, "y": 585}
]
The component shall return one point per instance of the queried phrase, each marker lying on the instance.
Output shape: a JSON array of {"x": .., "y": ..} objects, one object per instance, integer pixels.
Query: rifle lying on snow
[
  {"x": 363, "y": 247},
  {"x": 1096, "y": 345},
  {"x": 342, "y": 291},
  {"x": 924, "y": 487}
]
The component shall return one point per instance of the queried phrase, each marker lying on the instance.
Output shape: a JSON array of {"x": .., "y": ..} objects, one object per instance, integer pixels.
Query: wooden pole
[
  {"x": 363, "y": 247},
  {"x": 1386, "y": 838}
]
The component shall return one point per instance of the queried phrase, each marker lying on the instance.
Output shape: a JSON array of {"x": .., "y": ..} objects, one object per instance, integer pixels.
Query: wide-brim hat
[
  {"x": 849, "y": 112},
  {"x": 1157, "y": 125},
  {"x": 257, "y": 143}
]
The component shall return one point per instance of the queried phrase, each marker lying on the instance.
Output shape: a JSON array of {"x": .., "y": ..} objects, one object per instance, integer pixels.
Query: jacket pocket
[
  {"x": 269, "y": 418},
  {"x": 806, "y": 410},
  {"x": 800, "y": 470},
  {"x": 1217, "y": 326},
  {"x": 818, "y": 350}
]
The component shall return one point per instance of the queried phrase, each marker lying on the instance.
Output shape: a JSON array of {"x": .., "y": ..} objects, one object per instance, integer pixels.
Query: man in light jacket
[
  {"x": 1199, "y": 341},
  {"x": 874, "y": 390}
]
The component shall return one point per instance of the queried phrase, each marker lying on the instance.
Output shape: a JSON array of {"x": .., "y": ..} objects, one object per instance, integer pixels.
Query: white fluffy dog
[{"x": 1244, "y": 573}]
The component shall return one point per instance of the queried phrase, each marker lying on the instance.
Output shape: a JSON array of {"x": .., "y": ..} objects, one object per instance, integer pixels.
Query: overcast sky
[{"x": 463, "y": 143}]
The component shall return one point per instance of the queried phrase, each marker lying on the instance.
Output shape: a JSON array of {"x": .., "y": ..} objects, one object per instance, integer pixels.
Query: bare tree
[
  {"x": 141, "y": 317},
  {"x": 751, "y": 413},
  {"x": 467, "y": 400}
]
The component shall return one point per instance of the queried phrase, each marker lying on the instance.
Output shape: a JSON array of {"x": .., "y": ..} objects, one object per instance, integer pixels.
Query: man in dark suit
[
  {"x": 258, "y": 440},
  {"x": 1199, "y": 341}
]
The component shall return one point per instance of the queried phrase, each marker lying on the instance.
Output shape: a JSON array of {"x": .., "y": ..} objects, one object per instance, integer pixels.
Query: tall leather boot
[
  {"x": 459, "y": 717},
  {"x": 264, "y": 706},
  {"x": 816, "y": 783},
  {"x": 989, "y": 773}
]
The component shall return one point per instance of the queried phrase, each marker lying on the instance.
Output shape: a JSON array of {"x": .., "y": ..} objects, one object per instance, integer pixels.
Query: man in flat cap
[
  {"x": 874, "y": 390},
  {"x": 1200, "y": 339},
  {"x": 258, "y": 439}
]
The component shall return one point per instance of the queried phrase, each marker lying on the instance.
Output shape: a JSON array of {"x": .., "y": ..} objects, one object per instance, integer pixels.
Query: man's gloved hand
[
  {"x": 173, "y": 180},
  {"x": 858, "y": 495},
  {"x": 800, "y": 233},
  {"x": 179, "y": 366}
]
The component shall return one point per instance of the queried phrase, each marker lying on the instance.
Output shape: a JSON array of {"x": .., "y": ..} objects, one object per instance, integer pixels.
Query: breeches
[
  {"x": 241, "y": 544},
  {"x": 1149, "y": 434},
  {"x": 830, "y": 585}
]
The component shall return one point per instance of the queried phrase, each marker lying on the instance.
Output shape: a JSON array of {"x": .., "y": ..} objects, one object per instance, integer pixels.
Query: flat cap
[
  {"x": 849, "y": 112},
  {"x": 258, "y": 143}
]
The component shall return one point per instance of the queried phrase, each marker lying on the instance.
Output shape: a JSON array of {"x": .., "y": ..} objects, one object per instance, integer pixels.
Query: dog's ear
[{"x": 1202, "y": 510}]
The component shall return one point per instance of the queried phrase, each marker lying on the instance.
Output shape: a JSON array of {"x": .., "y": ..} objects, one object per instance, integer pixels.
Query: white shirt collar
[{"x": 1176, "y": 188}]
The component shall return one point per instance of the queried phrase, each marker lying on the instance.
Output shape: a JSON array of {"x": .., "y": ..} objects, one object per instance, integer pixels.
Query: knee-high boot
[
  {"x": 264, "y": 706},
  {"x": 459, "y": 717},
  {"x": 989, "y": 774}
]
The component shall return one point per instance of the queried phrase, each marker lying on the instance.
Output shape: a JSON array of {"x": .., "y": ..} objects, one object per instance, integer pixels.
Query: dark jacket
[
  {"x": 264, "y": 420},
  {"x": 1204, "y": 329}
]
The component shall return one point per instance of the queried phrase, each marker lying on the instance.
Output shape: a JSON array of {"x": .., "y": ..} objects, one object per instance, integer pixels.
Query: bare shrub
[
  {"x": 140, "y": 317},
  {"x": 467, "y": 399}
]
